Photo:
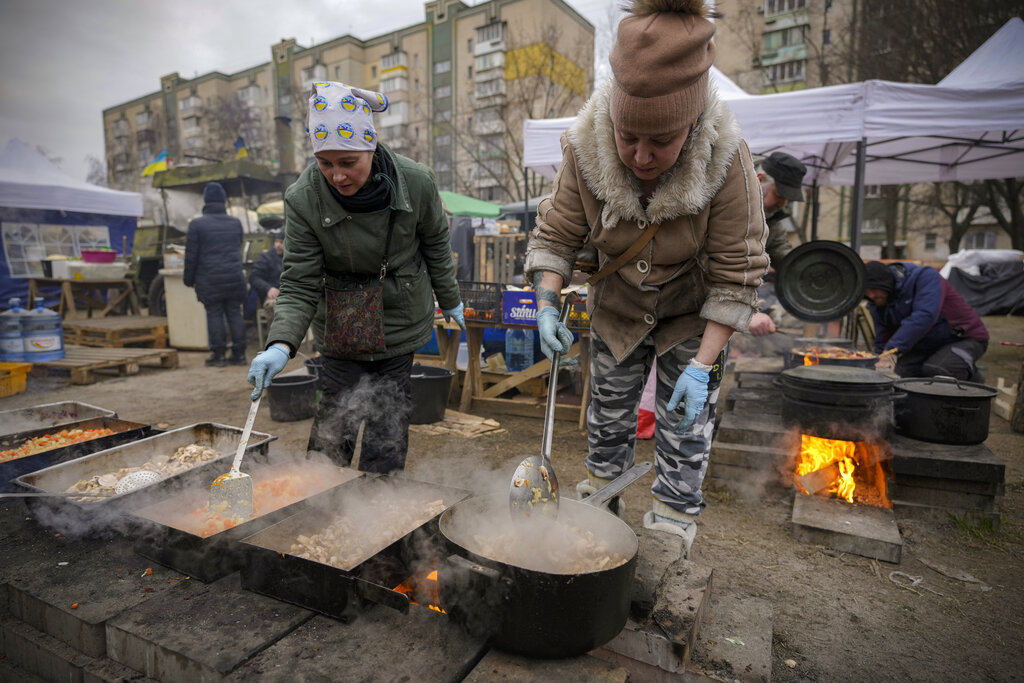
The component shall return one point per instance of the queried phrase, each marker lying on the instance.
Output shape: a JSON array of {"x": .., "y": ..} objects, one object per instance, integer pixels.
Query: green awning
[{"x": 461, "y": 205}]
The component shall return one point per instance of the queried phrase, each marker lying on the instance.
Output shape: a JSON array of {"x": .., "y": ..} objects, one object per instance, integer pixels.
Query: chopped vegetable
[{"x": 48, "y": 442}]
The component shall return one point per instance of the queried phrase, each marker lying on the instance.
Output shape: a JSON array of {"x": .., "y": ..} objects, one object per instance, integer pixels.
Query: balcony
[{"x": 145, "y": 136}]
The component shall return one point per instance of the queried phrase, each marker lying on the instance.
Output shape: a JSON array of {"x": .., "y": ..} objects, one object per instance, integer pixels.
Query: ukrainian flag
[
  {"x": 240, "y": 150},
  {"x": 158, "y": 164}
]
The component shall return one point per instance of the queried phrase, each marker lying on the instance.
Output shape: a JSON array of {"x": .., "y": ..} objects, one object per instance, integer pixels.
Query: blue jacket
[
  {"x": 213, "y": 253},
  {"x": 919, "y": 312}
]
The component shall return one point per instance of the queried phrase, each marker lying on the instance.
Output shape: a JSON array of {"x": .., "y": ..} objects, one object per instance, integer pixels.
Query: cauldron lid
[
  {"x": 820, "y": 281},
  {"x": 946, "y": 387},
  {"x": 837, "y": 374}
]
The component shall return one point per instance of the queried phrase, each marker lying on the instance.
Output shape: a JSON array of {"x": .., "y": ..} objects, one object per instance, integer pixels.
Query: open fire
[
  {"x": 850, "y": 470},
  {"x": 422, "y": 588}
]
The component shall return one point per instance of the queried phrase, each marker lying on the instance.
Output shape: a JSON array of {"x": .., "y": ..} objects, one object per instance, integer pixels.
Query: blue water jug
[
  {"x": 12, "y": 348},
  {"x": 518, "y": 349},
  {"x": 42, "y": 335}
]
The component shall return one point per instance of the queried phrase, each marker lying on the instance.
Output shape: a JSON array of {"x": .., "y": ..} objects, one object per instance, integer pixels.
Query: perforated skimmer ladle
[{"x": 534, "y": 485}]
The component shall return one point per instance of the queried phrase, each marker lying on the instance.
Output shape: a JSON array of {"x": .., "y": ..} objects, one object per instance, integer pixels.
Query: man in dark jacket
[
  {"x": 265, "y": 276},
  {"x": 213, "y": 265},
  {"x": 924, "y": 322}
]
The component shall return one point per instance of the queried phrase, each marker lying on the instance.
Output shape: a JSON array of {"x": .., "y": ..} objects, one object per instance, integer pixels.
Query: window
[
  {"x": 495, "y": 31},
  {"x": 394, "y": 84},
  {"x": 143, "y": 119},
  {"x": 784, "y": 72},
  {"x": 826, "y": 37},
  {"x": 489, "y": 114},
  {"x": 469, "y": 71},
  {"x": 469, "y": 46},
  {"x": 491, "y": 145},
  {"x": 493, "y": 60},
  {"x": 250, "y": 95},
  {"x": 442, "y": 91},
  {"x": 443, "y": 115},
  {"x": 392, "y": 60},
  {"x": 930, "y": 241},
  {"x": 440, "y": 140},
  {"x": 977, "y": 239},
  {"x": 121, "y": 128},
  {"x": 317, "y": 72},
  {"x": 26, "y": 244},
  {"x": 443, "y": 67},
  {"x": 416, "y": 85},
  {"x": 337, "y": 73},
  {"x": 416, "y": 61},
  {"x": 488, "y": 88},
  {"x": 189, "y": 104},
  {"x": 190, "y": 125},
  {"x": 373, "y": 71}
]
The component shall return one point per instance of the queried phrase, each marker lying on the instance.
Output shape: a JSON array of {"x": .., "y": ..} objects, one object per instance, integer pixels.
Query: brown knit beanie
[{"x": 660, "y": 61}]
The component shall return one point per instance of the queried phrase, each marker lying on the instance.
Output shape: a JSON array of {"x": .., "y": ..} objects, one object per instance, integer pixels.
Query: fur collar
[{"x": 685, "y": 189}]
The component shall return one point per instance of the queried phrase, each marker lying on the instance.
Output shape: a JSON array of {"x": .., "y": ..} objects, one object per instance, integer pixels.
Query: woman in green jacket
[{"x": 366, "y": 251}]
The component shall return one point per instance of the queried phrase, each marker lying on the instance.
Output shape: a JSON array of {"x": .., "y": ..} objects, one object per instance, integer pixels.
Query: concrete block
[
  {"x": 381, "y": 645},
  {"x": 753, "y": 400},
  {"x": 9, "y": 672},
  {"x": 657, "y": 552},
  {"x": 942, "y": 461},
  {"x": 39, "y": 654},
  {"x": 766, "y": 458},
  {"x": 199, "y": 632},
  {"x": 979, "y": 488},
  {"x": 930, "y": 513},
  {"x": 501, "y": 666},
  {"x": 736, "y": 639},
  {"x": 666, "y": 639},
  {"x": 859, "y": 529},
  {"x": 754, "y": 430},
  {"x": 943, "y": 499},
  {"x": 102, "y": 578}
]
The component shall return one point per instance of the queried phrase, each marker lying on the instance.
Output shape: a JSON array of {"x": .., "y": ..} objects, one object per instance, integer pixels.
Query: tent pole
[
  {"x": 163, "y": 228},
  {"x": 857, "y": 209},
  {"x": 815, "y": 211},
  {"x": 526, "y": 200},
  {"x": 245, "y": 208}
]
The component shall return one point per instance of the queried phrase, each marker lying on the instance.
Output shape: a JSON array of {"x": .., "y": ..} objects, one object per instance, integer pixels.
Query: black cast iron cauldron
[
  {"x": 539, "y": 613},
  {"x": 837, "y": 402},
  {"x": 944, "y": 410}
]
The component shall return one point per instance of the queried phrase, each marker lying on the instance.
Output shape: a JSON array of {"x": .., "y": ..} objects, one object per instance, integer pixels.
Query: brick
[
  {"x": 736, "y": 639},
  {"x": 859, "y": 529},
  {"x": 657, "y": 553}
]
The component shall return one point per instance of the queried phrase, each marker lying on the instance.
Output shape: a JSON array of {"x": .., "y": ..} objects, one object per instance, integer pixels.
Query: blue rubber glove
[
  {"x": 456, "y": 313},
  {"x": 263, "y": 368},
  {"x": 553, "y": 334},
  {"x": 691, "y": 387}
]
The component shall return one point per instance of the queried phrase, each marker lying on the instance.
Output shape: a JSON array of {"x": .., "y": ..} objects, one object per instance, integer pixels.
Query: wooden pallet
[
  {"x": 83, "y": 361},
  {"x": 117, "y": 331}
]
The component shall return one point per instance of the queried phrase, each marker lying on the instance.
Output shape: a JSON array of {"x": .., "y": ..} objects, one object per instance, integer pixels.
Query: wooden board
[
  {"x": 117, "y": 331},
  {"x": 83, "y": 361}
]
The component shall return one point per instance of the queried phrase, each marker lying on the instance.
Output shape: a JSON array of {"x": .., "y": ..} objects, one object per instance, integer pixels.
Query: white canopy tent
[
  {"x": 28, "y": 180},
  {"x": 968, "y": 127}
]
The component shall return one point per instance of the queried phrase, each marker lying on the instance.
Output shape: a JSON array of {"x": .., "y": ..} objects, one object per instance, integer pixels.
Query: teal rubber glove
[
  {"x": 553, "y": 334},
  {"x": 263, "y": 368},
  {"x": 691, "y": 387},
  {"x": 456, "y": 313}
]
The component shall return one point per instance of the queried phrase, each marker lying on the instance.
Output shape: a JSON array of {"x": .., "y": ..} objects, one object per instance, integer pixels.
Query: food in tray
[
  {"x": 344, "y": 542},
  {"x": 183, "y": 459},
  {"x": 832, "y": 352},
  {"x": 48, "y": 442}
]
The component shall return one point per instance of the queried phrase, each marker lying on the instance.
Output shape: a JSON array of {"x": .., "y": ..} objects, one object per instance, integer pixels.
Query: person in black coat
[
  {"x": 213, "y": 265},
  {"x": 265, "y": 277}
]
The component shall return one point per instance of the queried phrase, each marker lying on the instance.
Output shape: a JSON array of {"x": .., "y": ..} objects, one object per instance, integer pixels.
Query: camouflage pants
[{"x": 681, "y": 460}]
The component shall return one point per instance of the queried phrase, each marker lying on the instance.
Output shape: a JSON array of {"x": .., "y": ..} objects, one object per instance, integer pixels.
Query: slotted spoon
[{"x": 534, "y": 485}]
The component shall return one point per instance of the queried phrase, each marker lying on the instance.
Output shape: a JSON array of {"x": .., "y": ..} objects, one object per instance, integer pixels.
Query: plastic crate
[
  {"x": 578, "y": 316},
  {"x": 12, "y": 378},
  {"x": 482, "y": 300}
]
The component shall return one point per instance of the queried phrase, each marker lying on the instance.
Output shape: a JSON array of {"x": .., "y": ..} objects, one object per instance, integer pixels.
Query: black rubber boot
[{"x": 216, "y": 360}]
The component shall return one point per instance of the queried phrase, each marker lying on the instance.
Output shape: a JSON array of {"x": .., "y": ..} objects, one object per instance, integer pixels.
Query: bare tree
[
  {"x": 225, "y": 121},
  {"x": 97, "y": 173}
]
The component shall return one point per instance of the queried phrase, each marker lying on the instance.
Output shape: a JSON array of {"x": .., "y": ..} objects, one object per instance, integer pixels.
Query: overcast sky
[{"x": 63, "y": 62}]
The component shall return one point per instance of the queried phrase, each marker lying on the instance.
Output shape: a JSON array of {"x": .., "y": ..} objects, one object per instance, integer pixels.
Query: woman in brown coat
[{"x": 655, "y": 149}]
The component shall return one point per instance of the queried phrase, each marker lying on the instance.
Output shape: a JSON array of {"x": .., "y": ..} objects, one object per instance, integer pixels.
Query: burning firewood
[{"x": 819, "y": 480}]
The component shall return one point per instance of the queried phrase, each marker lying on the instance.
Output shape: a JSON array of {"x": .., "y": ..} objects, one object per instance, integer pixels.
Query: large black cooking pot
[
  {"x": 944, "y": 410},
  {"x": 532, "y": 612},
  {"x": 820, "y": 281},
  {"x": 837, "y": 402}
]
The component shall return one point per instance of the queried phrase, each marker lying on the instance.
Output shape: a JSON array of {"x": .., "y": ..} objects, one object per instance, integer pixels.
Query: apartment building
[{"x": 459, "y": 84}]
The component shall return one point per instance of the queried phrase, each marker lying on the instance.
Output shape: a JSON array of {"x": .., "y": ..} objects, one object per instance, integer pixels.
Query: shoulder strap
[
  {"x": 387, "y": 244},
  {"x": 625, "y": 256}
]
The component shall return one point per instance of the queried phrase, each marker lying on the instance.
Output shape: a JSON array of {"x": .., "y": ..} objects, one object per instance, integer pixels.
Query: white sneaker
[
  {"x": 685, "y": 529},
  {"x": 592, "y": 485}
]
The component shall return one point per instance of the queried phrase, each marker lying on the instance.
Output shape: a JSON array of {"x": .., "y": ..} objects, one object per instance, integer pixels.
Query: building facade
[{"x": 459, "y": 85}]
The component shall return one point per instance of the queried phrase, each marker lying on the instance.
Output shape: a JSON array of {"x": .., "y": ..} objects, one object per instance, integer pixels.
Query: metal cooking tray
[
  {"x": 271, "y": 569},
  {"x": 212, "y": 557},
  {"x": 48, "y": 415},
  {"x": 10, "y": 470},
  {"x": 107, "y": 514}
]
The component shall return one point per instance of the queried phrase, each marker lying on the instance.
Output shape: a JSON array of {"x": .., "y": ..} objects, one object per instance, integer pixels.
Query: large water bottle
[
  {"x": 518, "y": 349},
  {"x": 42, "y": 335},
  {"x": 12, "y": 348}
]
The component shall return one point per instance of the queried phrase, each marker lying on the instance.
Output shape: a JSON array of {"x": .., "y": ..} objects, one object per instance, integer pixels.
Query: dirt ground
[{"x": 836, "y": 617}]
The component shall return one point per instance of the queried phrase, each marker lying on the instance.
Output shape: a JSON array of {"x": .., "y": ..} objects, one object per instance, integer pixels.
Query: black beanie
[
  {"x": 214, "y": 193},
  {"x": 878, "y": 276}
]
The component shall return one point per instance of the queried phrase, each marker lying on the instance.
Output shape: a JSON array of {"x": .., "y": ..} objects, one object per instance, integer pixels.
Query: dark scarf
[{"x": 376, "y": 193}]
